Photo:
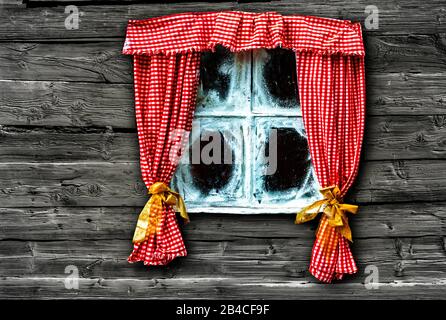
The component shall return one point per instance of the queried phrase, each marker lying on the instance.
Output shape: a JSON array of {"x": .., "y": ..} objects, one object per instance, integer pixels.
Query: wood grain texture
[
  {"x": 102, "y": 61},
  {"x": 401, "y": 17},
  {"x": 47, "y": 103},
  {"x": 119, "y": 184},
  {"x": 220, "y": 288},
  {"x": 86, "y": 62},
  {"x": 108, "y": 223},
  {"x": 70, "y": 187},
  {"x": 410, "y": 260},
  {"x": 11, "y": 3},
  {"x": 386, "y": 138},
  {"x": 66, "y": 104}
]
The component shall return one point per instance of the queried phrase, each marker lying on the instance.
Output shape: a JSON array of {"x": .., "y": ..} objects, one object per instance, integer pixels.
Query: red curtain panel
[
  {"x": 330, "y": 69},
  {"x": 165, "y": 94},
  {"x": 331, "y": 89}
]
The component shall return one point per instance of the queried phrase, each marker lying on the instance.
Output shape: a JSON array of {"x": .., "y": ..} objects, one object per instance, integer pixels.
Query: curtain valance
[
  {"x": 239, "y": 31},
  {"x": 331, "y": 79}
]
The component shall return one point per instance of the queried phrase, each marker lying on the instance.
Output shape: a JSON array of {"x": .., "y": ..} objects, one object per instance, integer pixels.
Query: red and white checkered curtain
[
  {"x": 330, "y": 67},
  {"x": 165, "y": 95},
  {"x": 332, "y": 96}
]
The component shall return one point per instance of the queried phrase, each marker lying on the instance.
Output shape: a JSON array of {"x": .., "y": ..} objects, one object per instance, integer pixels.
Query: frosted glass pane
[
  {"x": 248, "y": 112},
  {"x": 225, "y": 83},
  {"x": 212, "y": 170},
  {"x": 283, "y": 173},
  {"x": 275, "y": 82}
]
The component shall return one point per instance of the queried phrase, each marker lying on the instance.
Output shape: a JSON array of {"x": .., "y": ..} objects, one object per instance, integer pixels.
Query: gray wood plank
[
  {"x": 67, "y": 61},
  {"x": 11, "y": 4},
  {"x": 405, "y": 53},
  {"x": 66, "y": 104},
  {"x": 404, "y": 94},
  {"x": 67, "y": 144},
  {"x": 104, "y": 62},
  {"x": 102, "y": 223},
  {"x": 119, "y": 184},
  {"x": 219, "y": 288},
  {"x": 46, "y": 103},
  {"x": 404, "y": 259},
  {"x": 386, "y": 138},
  {"x": 404, "y": 137},
  {"x": 403, "y": 17}
]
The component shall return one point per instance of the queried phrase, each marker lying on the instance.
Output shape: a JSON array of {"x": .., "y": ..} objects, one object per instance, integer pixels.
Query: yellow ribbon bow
[
  {"x": 334, "y": 210},
  {"x": 149, "y": 218}
]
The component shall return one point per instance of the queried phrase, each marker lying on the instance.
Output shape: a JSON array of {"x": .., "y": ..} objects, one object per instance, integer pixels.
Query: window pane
[
  {"x": 275, "y": 82},
  {"x": 240, "y": 130},
  {"x": 283, "y": 171},
  {"x": 211, "y": 173},
  {"x": 215, "y": 173},
  {"x": 225, "y": 83}
]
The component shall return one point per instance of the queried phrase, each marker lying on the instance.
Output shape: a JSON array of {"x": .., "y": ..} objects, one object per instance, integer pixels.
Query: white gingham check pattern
[
  {"x": 330, "y": 68},
  {"x": 165, "y": 95},
  {"x": 332, "y": 95}
]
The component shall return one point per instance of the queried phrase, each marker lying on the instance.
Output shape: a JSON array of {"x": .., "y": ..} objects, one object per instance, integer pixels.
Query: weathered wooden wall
[{"x": 70, "y": 188}]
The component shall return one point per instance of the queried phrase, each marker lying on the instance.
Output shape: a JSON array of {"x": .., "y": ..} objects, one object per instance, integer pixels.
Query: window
[{"x": 247, "y": 152}]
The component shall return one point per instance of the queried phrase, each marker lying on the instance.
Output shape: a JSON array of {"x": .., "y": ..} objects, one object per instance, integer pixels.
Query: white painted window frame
[{"x": 248, "y": 111}]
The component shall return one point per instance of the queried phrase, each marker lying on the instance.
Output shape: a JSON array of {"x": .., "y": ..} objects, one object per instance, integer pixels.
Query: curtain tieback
[
  {"x": 149, "y": 218},
  {"x": 333, "y": 208}
]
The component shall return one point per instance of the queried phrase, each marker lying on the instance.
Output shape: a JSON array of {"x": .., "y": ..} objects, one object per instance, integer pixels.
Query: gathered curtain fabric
[
  {"x": 331, "y": 80},
  {"x": 331, "y": 89},
  {"x": 165, "y": 94}
]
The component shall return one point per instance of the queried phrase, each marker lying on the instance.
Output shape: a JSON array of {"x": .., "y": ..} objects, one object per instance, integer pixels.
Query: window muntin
[{"x": 248, "y": 99}]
